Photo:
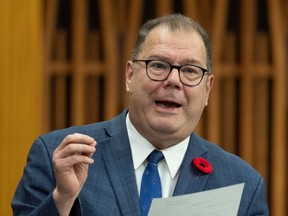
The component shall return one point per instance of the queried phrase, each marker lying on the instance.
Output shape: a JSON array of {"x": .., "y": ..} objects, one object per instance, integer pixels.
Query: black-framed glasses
[{"x": 159, "y": 70}]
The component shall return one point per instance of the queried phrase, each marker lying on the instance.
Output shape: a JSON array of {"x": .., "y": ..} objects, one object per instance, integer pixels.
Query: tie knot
[{"x": 155, "y": 157}]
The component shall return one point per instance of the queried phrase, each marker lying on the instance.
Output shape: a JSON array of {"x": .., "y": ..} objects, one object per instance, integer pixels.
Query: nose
[{"x": 173, "y": 79}]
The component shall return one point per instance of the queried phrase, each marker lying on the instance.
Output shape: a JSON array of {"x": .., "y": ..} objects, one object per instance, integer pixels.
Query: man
[{"x": 169, "y": 81}]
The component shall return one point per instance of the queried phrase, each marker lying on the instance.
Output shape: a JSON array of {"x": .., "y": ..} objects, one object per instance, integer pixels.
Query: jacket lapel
[
  {"x": 119, "y": 163},
  {"x": 191, "y": 180}
]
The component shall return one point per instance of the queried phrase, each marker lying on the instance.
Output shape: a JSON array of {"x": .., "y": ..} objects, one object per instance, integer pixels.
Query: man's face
[{"x": 166, "y": 112}]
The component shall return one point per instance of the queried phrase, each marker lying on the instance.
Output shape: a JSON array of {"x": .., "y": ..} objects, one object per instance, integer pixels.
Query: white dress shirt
[{"x": 168, "y": 168}]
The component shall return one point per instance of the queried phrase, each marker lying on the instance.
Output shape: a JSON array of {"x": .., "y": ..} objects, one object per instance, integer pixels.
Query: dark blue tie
[{"x": 151, "y": 184}]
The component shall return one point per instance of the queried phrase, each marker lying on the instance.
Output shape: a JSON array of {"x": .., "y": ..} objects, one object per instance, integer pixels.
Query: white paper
[{"x": 216, "y": 202}]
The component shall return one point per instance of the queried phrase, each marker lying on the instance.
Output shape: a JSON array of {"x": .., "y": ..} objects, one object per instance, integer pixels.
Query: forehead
[{"x": 176, "y": 46}]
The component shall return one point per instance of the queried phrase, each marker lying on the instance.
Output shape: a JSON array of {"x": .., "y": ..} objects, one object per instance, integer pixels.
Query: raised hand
[{"x": 71, "y": 160}]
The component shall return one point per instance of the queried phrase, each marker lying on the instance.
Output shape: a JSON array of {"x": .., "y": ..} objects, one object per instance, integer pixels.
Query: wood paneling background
[
  {"x": 87, "y": 43},
  {"x": 20, "y": 90}
]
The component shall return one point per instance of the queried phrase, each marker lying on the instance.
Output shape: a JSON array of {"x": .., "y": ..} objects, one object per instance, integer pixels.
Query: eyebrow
[{"x": 186, "y": 61}]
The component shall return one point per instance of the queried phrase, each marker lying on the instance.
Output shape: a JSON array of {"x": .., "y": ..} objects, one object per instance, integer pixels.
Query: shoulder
[
  {"x": 230, "y": 169},
  {"x": 58, "y": 135},
  {"x": 227, "y": 164},
  {"x": 99, "y": 131}
]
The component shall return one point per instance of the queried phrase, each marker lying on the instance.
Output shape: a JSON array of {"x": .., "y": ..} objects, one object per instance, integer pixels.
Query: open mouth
[{"x": 168, "y": 104}]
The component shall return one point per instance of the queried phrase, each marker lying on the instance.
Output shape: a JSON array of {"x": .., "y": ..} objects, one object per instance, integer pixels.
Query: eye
[
  {"x": 191, "y": 70},
  {"x": 158, "y": 65}
]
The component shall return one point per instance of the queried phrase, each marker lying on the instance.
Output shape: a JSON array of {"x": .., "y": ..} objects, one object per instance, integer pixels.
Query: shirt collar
[{"x": 141, "y": 148}]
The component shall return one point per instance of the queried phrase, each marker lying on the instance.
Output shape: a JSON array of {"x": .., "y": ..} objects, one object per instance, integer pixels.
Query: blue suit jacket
[{"x": 111, "y": 188}]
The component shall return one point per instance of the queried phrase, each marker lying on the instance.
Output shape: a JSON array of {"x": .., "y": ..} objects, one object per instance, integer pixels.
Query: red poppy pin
[{"x": 203, "y": 165}]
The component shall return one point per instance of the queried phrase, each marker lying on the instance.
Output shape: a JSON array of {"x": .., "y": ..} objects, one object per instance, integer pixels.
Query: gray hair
[{"x": 173, "y": 22}]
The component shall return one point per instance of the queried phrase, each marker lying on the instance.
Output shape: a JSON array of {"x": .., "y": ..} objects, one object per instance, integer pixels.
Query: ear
[
  {"x": 209, "y": 85},
  {"x": 129, "y": 75}
]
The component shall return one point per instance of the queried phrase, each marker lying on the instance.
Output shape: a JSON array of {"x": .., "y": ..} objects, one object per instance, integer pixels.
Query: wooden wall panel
[
  {"x": 111, "y": 73},
  {"x": 86, "y": 60},
  {"x": 279, "y": 111},
  {"x": 49, "y": 27},
  {"x": 217, "y": 30},
  {"x": 20, "y": 90},
  {"x": 262, "y": 108},
  {"x": 78, "y": 32},
  {"x": 246, "y": 76}
]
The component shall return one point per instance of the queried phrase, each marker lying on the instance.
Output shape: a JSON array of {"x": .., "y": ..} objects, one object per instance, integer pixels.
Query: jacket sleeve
[
  {"x": 33, "y": 195},
  {"x": 258, "y": 205}
]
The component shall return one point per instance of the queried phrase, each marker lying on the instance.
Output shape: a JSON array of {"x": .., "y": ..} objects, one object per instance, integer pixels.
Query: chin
[{"x": 166, "y": 127}]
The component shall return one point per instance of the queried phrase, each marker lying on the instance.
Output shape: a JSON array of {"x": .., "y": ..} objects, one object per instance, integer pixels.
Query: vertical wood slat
[
  {"x": 92, "y": 46},
  {"x": 133, "y": 25},
  {"x": 60, "y": 105},
  {"x": 163, "y": 7},
  {"x": 284, "y": 4},
  {"x": 121, "y": 13},
  {"x": 200, "y": 11},
  {"x": 92, "y": 99},
  {"x": 111, "y": 62},
  {"x": 190, "y": 8},
  {"x": 49, "y": 32},
  {"x": 228, "y": 111},
  {"x": 228, "y": 115},
  {"x": 260, "y": 127},
  {"x": 279, "y": 130},
  {"x": 92, "y": 87},
  {"x": 218, "y": 32},
  {"x": 261, "y": 109},
  {"x": 246, "y": 57},
  {"x": 79, "y": 28},
  {"x": 205, "y": 10}
]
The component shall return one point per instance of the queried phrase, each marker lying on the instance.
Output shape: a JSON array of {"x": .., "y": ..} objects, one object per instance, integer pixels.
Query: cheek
[
  {"x": 197, "y": 100},
  {"x": 139, "y": 86},
  {"x": 144, "y": 90}
]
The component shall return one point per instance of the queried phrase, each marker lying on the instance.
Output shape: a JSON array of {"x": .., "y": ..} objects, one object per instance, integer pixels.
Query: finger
[
  {"x": 80, "y": 159},
  {"x": 76, "y": 138},
  {"x": 75, "y": 148},
  {"x": 69, "y": 162}
]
